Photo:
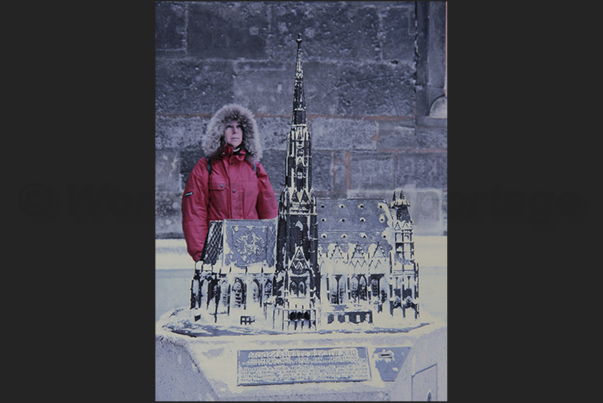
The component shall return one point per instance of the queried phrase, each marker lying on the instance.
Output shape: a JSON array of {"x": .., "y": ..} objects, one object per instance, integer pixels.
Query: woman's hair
[{"x": 213, "y": 142}]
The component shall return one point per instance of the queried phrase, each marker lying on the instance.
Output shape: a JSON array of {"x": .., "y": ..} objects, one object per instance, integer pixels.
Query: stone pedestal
[{"x": 398, "y": 365}]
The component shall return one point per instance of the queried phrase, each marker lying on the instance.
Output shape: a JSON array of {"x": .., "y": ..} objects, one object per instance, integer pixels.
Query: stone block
[
  {"x": 422, "y": 170},
  {"x": 188, "y": 160},
  {"x": 170, "y": 23},
  {"x": 341, "y": 163},
  {"x": 179, "y": 132},
  {"x": 167, "y": 171},
  {"x": 376, "y": 89},
  {"x": 428, "y": 121},
  {"x": 422, "y": 103},
  {"x": 273, "y": 132},
  {"x": 190, "y": 86},
  {"x": 396, "y": 134},
  {"x": 322, "y": 167},
  {"x": 168, "y": 215},
  {"x": 274, "y": 163},
  {"x": 398, "y": 31},
  {"x": 230, "y": 31},
  {"x": 265, "y": 87},
  {"x": 370, "y": 171},
  {"x": 331, "y": 31},
  {"x": 320, "y": 79},
  {"x": 432, "y": 137},
  {"x": 337, "y": 133}
]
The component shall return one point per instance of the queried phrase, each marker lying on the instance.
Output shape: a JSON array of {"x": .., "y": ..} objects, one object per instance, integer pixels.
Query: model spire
[
  {"x": 299, "y": 101},
  {"x": 297, "y": 227}
]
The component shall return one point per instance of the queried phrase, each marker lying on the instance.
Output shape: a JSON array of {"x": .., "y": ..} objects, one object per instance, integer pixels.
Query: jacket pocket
[
  {"x": 218, "y": 201},
  {"x": 217, "y": 186}
]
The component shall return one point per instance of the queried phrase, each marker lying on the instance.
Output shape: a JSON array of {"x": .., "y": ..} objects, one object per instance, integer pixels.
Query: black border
[
  {"x": 517, "y": 119},
  {"x": 81, "y": 101}
]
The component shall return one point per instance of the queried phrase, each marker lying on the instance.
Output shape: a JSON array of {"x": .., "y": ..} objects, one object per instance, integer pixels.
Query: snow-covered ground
[{"x": 174, "y": 270}]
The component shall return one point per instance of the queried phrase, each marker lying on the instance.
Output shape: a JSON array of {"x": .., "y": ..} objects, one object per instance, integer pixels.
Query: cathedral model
[{"x": 319, "y": 264}]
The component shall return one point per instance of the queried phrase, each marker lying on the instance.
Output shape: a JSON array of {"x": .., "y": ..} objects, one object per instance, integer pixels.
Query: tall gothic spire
[
  {"x": 297, "y": 226},
  {"x": 299, "y": 147},
  {"x": 299, "y": 100}
]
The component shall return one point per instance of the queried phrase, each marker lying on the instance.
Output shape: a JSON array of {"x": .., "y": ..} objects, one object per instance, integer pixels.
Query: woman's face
[{"x": 233, "y": 134}]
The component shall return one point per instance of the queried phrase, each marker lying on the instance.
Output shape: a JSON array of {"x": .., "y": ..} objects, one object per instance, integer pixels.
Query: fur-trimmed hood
[{"x": 213, "y": 141}]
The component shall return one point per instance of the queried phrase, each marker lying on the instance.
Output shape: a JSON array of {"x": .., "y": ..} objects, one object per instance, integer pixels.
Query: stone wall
[{"x": 374, "y": 77}]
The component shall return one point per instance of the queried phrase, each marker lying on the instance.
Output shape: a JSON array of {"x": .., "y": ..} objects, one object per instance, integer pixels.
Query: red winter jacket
[{"x": 233, "y": 192}]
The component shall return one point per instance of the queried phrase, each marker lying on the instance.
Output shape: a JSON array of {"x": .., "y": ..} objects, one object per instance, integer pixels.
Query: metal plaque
[
  {"x": 389, "y": 360},
  {"x": 265, "y": 367}
]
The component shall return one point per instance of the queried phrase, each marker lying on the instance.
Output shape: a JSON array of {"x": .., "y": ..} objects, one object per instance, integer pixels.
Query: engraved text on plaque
[{"x": 263, "y": 367}]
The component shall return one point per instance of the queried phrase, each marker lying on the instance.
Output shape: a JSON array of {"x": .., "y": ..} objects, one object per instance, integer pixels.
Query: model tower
[
  {"x": 405, "y": 270},
  {"x": 297, "y": 271}
]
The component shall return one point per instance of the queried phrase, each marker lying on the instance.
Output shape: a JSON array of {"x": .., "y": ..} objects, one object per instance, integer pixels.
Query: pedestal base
[{"x": 395, "y": 365}]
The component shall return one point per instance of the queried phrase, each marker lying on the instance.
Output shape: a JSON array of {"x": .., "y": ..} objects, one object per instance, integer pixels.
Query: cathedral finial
[
  {"x": 399, "y": 201},
  {"x": 299, "y": 75},
  {"x": 299, "y": 103}
]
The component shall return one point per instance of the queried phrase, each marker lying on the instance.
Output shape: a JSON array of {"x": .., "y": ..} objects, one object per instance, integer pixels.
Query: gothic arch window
[
  {"x": 255, "y": 291},
  {"x": 362, "y": 292},
  {"x": 383, "y": 291},
  {"x": 280, "y": 281},
  {"x": 354, "y": 288},
  {"x": 293, "y": 288},
  {"x": 237, "y": 291},
  {"x": 342, "y": 290},
  {"x": 223, "y": 292},
  {"x": 268, "y": 289},
  {"x": 212, "y": 288},
  {"x": 299, "y": 175},
  {"x": 375, "y": 287},
  {"x": 333, "y": 291},
  {"x": 299, "y": 228},
  {"x": 302, "y": 289}
]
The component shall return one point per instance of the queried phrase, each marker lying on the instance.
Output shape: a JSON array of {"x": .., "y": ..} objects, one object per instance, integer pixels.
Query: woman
[{"x": 233, "y": 185}]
